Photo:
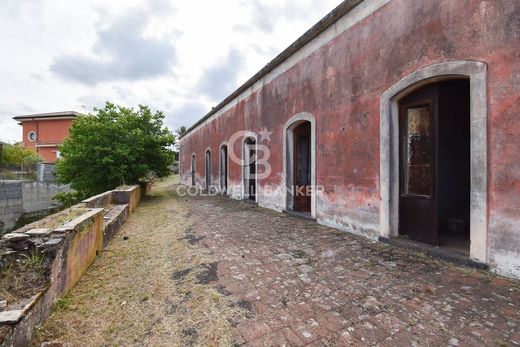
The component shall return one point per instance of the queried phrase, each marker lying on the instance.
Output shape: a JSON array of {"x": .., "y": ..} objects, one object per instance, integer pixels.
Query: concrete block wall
[
  {"x": 11, "y": 203},
  {"x": 18, "y": 197},
  {"x": 39, "y": 196},
  {"x": 46, "y": 172}
]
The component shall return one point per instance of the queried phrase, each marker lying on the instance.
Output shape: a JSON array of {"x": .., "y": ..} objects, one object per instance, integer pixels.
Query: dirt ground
[
  {"x": 211, "y": 271},
  {"x": 138, "y": 291}
]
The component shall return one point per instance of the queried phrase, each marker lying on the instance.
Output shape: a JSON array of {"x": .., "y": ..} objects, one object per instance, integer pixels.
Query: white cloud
[
  {"x": 220, "y": 80},
  {"x": 181, "y": 57},
  {"x": 121, "y": 52}
]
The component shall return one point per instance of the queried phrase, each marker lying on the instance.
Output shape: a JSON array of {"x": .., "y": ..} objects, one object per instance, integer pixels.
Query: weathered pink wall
[{"x": 341, "y": 84}]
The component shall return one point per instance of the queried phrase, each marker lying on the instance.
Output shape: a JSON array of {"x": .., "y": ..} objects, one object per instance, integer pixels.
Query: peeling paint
[{"x": 340, "y": 76}]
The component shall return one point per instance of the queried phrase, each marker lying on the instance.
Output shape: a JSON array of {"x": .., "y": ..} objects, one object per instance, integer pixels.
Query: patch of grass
[
  {"x": 33, "y": 260},
  {"x": 61, "y": 304},
  {"x": 514, "y": 287},
  {"x": 23, "y": 276},
  {"x": 27, "y": 218},
  {"x": 501, "y": 343},
  {"x": 465, "y": 272},
  {"x": 58, "y": 220},
  {"x": 299, "y": 253},
  {"x": 422, "y": 256},
  {"x": 487, "y": 276}
]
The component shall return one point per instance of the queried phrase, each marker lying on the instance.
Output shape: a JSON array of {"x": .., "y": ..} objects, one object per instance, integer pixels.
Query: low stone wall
[
  {"x": 127, "y": 195},
  {"x": 82, "y": 248},
  {"x": 146, "y": 187},
  {"x": 70, "y": 248},
  {"x": 113, "y": 220},
  {"x": 101, "y": 200}
]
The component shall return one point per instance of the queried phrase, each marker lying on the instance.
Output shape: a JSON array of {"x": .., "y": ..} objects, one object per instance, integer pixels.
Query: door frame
[
  {"x": 476, "y": 72},
  {"x": 288, "y": 159},
  {"x": 220, "y": 166},
  {"x": 193, "y": 167},
  {"x": 208, "y": 169},
  {"x": 254, "y": 136}
]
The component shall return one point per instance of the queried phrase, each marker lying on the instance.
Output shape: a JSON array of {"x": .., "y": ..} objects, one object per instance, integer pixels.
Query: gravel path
[{"x": 213, "y": 271}]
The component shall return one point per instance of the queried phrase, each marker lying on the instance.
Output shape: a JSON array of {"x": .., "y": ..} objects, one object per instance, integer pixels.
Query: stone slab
[
  {"x": 10, "y": 317},
  {"x": 52, "y": 244},
  {"x": 15, "y": 237},
  {"x": 38, "y": 232}
]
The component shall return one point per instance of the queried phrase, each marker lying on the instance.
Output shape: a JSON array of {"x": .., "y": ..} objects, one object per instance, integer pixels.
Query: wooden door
[
  {"x": 223, "y": 169},
  {"x": 418, "y": 158},
  {"x": 252, "y": 171},
  {"x": 193, "y": 170},
  {"x": 208, "y": 170},
  {"x": 302, "y": 168}
]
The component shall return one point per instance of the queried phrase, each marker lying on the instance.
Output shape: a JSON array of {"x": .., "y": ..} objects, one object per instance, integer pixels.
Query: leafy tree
[
  {"x": 18, "y": 155},
  {"x": 181, "y": 130},
  {"x": 114, "y": 146}
]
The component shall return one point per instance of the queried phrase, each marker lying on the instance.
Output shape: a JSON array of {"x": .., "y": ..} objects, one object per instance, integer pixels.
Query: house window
[{"x": 32, "y": 136}]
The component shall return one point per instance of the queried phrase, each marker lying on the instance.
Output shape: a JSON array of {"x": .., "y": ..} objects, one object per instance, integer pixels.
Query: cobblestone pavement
[
  {"x": 306, "y": 284},
  {"x": 214, "y": 271}
]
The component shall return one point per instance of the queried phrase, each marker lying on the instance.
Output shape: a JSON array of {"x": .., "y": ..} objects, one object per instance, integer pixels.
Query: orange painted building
[{"x": 45, "y": 132}]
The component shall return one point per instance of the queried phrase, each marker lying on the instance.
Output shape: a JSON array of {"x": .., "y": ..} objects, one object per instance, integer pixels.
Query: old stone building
[{"x": 390, "y": 118}]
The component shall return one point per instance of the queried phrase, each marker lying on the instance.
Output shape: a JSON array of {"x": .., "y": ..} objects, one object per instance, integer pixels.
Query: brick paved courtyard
[
  {"x": 306, "y": 283},
  {"x": 296, "y": 283}
]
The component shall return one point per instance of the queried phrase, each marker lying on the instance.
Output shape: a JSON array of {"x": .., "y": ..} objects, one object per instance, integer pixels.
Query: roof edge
[
  {"x": 342, "y": 9},
  {"x": 49, "y": 115}
]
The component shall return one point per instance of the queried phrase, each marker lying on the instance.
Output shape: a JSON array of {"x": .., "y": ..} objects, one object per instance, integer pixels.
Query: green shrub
[
  {"x": 68, "y": 199},
  {"x": 112, "y": 147}
]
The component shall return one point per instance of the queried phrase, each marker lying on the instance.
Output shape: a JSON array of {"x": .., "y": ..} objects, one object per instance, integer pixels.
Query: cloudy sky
[{"x": 178, "y": 56}]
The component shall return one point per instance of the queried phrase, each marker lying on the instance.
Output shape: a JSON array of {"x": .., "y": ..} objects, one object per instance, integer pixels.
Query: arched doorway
[
  {"x": 208, "y": 170},
  {"x": 300, "y": 164},
  {"x": 249, "y": 169},
  {"x": 301, "y": 167},
  {"x": 192, "y": 172},
  {"x": 223, "y": 169},
  {"x": 393, "y": 148},
  {"x": 434, "y": 164}
]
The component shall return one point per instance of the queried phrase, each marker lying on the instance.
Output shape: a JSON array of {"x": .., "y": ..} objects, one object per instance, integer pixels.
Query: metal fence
[{"x": 18, "y": 172}]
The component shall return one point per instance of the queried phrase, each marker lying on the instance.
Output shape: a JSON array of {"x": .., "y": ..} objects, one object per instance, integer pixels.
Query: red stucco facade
[
  {"x": 49, "y": 129},
  {"x": 341, "y": 83}
]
